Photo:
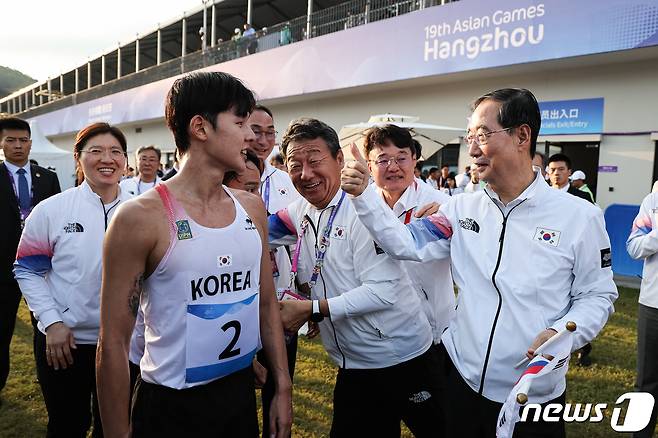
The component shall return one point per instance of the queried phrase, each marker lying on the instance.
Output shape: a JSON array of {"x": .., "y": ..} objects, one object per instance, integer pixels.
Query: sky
[{"x": 44, "y": 38}]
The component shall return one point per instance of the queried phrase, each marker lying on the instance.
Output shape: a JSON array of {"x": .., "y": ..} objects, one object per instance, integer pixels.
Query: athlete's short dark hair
[{"x": 204, "y": 94}]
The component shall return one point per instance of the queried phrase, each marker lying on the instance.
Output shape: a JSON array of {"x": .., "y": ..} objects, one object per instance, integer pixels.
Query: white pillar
[
  {"x": 102, "y": 69},
  {"x": 119, "y": 62},
  {"x": 213, "y": 23},
  {"x": 61, "y": 85},
  {"x": 183, "y": 48},
  {"x": 158, "y": 47},
  {"x": 250, "y": 9},
  {"x": 27, "y": 104},
  {"x": 88, "y": 75},
  {"x": 50, "y": 90},
  {"x": 205, "y": 27},
  {"x": 137, "y": 54},
  {"x": 309, "y": 12},
  {"x": 41, "y": 95},
  {"x": 34, "y": 97}
]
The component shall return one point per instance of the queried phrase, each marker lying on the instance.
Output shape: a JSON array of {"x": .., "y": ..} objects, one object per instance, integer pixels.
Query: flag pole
[{"x": 570, "y": 327}]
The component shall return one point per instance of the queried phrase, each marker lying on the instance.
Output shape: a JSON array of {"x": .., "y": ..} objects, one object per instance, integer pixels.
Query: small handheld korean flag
[{"x": 559, "y": 348}]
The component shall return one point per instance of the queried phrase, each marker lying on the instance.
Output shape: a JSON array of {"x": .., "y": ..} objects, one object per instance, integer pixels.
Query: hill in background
[{"x": 12, "y": 80}]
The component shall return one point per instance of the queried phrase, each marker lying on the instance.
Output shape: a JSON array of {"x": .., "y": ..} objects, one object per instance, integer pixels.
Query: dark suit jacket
[
  {"x": 574, "y": 191},
  {"x": 44, "y": 185},
  {"x": 170, "y": 173}
]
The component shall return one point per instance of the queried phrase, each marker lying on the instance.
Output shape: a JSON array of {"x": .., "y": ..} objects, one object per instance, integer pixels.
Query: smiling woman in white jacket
[{"x": 58, "y": 268}]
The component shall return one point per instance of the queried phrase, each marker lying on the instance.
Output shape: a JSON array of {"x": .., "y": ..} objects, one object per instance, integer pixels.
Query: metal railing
[{"x": 333, "y": 19}]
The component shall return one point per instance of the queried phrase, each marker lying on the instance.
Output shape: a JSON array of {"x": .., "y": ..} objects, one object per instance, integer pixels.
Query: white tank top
[{"x": 200, "y": 304}]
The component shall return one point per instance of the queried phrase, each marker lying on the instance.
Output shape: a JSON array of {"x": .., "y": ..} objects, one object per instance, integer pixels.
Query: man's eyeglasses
[
  {"x": 270, "y": 135},
  {"x": 97, "y": 152},
  {"x": 481, "y": 138},
  {"x": 383, "y": 163}
]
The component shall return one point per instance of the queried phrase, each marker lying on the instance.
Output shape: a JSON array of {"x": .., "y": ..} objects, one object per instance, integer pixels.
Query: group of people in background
[
  {"x": 185, "y": 293},
  {"x": 558, "y": 176}
]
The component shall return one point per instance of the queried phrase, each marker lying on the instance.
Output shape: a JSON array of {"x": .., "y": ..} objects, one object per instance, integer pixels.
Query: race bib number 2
[{"x": 221, "y": 338}]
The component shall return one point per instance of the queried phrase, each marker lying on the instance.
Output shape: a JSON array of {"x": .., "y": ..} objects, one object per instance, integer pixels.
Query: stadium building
[{"x": 592, "y": 64}]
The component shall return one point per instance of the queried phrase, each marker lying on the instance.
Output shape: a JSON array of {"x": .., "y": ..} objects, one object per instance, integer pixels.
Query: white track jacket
[
  {"x": 538, "y": 262},
  {"x": 376, "y": 316},
  {"x": 643, "y": 244},
  {"x": 58, "y": 265}
]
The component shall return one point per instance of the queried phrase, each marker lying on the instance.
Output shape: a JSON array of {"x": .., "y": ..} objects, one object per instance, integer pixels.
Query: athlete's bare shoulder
[
  {"x": 251, "y": 202},
  {"x": 143, "y": 208}
]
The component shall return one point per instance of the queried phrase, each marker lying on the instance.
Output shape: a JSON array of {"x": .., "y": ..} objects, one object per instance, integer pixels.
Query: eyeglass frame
[
  {"x": 389, "y": 161},
  {"x": 471, "y": 138},
  {"x": 100, "y": 152},
  {"x": 267, "y": 134}
]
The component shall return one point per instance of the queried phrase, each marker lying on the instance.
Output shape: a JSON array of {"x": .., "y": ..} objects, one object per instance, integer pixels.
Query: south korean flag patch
[
  {"x": 224, "y": 261},
  {"x": 549, "y": 237},
  {"x": 338, "y": 232}
]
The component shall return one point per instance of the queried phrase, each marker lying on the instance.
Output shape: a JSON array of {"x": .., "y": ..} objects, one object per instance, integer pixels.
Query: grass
[{"x": 23, "y": 414}]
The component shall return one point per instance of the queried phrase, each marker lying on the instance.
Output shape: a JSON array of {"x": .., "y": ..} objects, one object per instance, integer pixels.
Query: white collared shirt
[
  {"x": 376, "y": 319},
  {"x": 432, "y": 279},
  {"x": 13, "y": 171},
  {"x": 135, "y": 186}
]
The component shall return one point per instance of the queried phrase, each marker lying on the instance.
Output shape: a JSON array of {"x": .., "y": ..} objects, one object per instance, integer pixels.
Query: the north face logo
[
  {"x": 74, "y": 227},
  {"x": 469, "y": 224},
  {"x": 250, "y": 224},
  {"x": 420, "y": 397}
]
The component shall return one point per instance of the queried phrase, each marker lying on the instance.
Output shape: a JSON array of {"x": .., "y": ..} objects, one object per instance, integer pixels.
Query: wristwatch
[{"x": 316, "y": 315}]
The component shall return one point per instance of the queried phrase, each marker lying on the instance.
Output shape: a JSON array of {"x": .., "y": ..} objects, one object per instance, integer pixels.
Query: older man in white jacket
[
  {"x": 526, "y": 259},
  {"x": 372, "y": 323}
]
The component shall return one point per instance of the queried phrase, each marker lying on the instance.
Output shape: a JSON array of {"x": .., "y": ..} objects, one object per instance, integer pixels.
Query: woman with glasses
[{"x": 58, "y": 268}]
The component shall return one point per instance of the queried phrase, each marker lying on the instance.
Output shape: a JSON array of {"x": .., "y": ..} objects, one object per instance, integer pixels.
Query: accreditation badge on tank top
[{"x": 221, "y": 338}]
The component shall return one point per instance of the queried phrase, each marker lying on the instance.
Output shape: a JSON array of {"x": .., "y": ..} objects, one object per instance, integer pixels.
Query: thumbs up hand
[{"x": 355, "y": 175}]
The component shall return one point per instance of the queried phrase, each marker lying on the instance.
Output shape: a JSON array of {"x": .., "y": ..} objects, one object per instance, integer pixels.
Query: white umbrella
[{"x": 431, "y": 137}]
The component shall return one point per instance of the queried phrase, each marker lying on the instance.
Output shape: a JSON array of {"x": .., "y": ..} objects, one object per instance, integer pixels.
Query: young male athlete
[{"x": 193, "y": 256}]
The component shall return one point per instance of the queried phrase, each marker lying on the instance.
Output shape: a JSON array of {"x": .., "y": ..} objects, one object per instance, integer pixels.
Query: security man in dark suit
[
  {"x": 22, "y": 186},
  {"x": 559, "y": 171}
]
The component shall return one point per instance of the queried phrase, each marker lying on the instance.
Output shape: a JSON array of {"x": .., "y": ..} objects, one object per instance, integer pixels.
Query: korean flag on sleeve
[{"x": 542, "y": 373}]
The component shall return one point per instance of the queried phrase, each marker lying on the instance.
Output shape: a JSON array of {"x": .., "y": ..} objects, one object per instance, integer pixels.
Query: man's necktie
[{"x": 23, "y": 191}]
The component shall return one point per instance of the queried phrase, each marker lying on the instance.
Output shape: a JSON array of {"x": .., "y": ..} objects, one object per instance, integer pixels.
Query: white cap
[{"x": 578, "y": 174}]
